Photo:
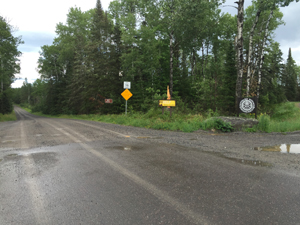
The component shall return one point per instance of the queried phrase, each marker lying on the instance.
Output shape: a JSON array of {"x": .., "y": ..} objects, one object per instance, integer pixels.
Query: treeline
[
  {"x": 9, "y": 64},
  {"x": 187, "y": 45}
]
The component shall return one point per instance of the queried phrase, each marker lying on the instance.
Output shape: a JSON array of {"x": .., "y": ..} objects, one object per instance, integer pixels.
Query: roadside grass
[
  {"x": 152, "y": 119},
  {"x": 285, "y": 117},
  {"x": 8, "y": 117}
]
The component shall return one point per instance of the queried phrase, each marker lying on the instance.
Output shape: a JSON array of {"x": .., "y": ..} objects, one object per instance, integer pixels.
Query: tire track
[
  {"x": 161, "y": 195},
  {"x": 34, "y": 189}
]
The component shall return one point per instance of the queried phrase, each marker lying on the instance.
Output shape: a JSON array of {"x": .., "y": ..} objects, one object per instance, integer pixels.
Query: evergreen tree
[
  {"x": 228, "y": 80},
  {"x": 290, "y": 78},
  {"x": 272, "y": 91}
]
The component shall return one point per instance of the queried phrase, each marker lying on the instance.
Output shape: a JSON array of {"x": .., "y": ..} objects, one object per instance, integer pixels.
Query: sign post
[
  {"x": 126, "y": 95},
  {"x": 167, "y": 103}
]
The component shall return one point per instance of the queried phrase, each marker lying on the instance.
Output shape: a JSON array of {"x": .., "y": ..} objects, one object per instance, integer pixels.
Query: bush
[
  {"x": 217, "y": 124},
  {"x": 223, "y": 126},
  {"x": 264, "y": 123},
  {"x": 8, "y": 117},
  {"x": 285, "y": 111}
]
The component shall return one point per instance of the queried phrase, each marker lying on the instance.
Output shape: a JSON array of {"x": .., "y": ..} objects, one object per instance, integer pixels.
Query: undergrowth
[
  {"x": 284, "y": 118},
  {"x": 8, "y": 117}
]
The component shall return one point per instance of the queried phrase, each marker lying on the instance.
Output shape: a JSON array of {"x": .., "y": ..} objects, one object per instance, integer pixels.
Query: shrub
[
  {"x": 218, "y": 124},
  {"x": 264, "y": 123},
  {"x": 285, "y": 111},
  {"x": 223, "y": 126}
]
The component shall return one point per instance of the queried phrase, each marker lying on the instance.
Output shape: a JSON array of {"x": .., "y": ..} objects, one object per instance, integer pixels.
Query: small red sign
[{"x": 108, "y": 101}]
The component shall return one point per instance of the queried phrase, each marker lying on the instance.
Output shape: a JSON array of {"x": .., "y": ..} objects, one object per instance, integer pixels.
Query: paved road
[{"x": 58, "y": 171}]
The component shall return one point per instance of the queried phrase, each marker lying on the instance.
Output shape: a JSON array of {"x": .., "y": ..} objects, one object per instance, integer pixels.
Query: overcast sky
[{"x": 36, "y": 21}]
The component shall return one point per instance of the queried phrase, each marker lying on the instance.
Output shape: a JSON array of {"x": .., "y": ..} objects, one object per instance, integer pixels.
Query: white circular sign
[{"x": 247, "y": 105}]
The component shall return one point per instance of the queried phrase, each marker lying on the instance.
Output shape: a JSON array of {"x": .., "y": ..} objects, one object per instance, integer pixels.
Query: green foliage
[
  {"x": 8, "y": 117},
  {"x": 290, "y": 79},
  {"x": 9, "y": 64},
  {"x": 223, "y": 126},
  {"x": 285, "y": 111},
  {"x": 218, "y": 124},
  {"x": 264, "y": 123},
  {"x": 95, "y": 51},
  {"x": 251, "y": 129}
]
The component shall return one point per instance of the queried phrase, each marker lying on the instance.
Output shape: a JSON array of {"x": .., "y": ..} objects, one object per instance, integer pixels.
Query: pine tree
[
  {"x": 290, "y": 78},
  {"x": 228, "y": 80}
]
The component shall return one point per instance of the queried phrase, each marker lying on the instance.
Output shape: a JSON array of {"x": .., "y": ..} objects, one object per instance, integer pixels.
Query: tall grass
[
  {"x": 8, "y": 117},
  {"x": 284, "y": 118}
]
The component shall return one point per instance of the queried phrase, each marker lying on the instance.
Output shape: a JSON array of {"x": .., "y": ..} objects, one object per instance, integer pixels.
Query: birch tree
[{"x": 239, "y": 50}]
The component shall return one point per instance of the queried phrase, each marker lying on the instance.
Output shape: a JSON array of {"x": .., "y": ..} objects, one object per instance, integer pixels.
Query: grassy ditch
[
  {"x": 282, "y": 118},
  {"x": 155, "y": 120},
  {"x": 8, "y": 117},
  {"x": 285, "y": 118}
]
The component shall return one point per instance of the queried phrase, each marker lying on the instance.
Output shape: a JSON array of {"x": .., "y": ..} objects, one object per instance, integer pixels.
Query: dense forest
[
  {"x": 9, "y": 64},
  {"x": 206, "y": 57}
]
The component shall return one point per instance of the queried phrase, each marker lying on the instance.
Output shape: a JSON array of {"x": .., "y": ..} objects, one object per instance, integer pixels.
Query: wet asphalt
[{"x": 58, "y": 171}]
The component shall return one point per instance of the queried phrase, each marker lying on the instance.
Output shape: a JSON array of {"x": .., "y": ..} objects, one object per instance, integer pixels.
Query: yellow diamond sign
[{"x": 126, "y": 94}]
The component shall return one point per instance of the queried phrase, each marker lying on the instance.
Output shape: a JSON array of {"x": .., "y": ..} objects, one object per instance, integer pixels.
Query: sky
[{"x": 36, "y": 21}]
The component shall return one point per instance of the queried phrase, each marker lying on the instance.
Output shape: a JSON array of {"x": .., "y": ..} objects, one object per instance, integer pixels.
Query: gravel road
[
  {"x": 237, "y": 146},
  {"x": 61, "y": 171}
]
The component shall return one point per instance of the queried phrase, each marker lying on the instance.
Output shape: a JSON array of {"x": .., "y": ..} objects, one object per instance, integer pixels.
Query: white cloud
[
  {"x": 17, "y": 84},
  {"x": 28, "y": 68},
  {"x": 41, "y": 15},
  {"x": 36, "y": 21}
]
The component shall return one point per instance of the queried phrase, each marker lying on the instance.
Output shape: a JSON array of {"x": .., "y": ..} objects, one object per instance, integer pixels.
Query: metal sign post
[{"x": 126, "y": 95}]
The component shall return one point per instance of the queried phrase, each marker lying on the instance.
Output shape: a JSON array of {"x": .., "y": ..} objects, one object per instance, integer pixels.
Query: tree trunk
[
  {"x": 202, "y": 60},
  {"x": 239, "y": 47},
  {"x": 193, "y": 64},
  {"x": 1, "y": 77},
  {"x": 171, "y": 62},
  {"x": 250, "y": 51},
  {"x": 262, "y": 53}
]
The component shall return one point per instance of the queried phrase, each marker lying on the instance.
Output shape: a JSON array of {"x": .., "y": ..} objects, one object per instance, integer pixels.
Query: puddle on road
[
  {"x": 242, "y": 161},
  {"x": 9, "y": 141},
  {"x": 126, "y": 148},
  {"x": 1, "y": 160},
  {"x": 250, "y": 162},
  {"x": 285, "y": 148},
  {"x": 217, "y": 134},
  {"x": 146, "y": 137},
  {"x": 12, "y": 155}
]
